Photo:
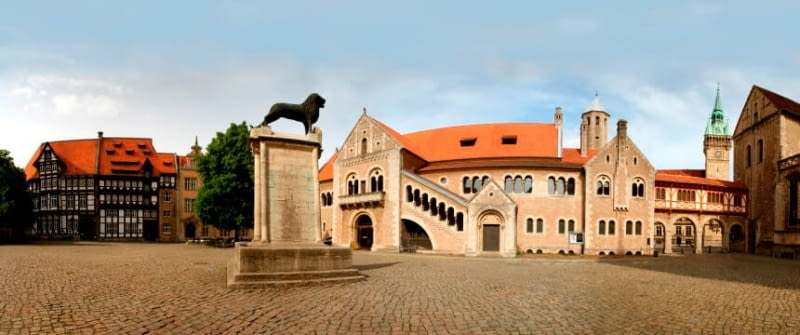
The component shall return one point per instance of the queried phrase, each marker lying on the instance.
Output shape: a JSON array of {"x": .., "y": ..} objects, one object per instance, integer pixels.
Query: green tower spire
[{"x": 717, "y": 125}]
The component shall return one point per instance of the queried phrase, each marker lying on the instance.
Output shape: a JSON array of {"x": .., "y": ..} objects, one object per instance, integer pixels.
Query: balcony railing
[
  {"x": 699, "y": 206},
  {"x": 372, "y": 199}
]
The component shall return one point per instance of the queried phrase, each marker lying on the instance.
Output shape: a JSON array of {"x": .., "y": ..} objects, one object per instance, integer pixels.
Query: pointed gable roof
[
  {"x": 781, "y": 103},
  {"x": 77, "y": 156}
]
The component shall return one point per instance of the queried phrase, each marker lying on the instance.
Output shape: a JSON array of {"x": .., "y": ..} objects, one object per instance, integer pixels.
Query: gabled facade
[{"x": 767, "y": 140}]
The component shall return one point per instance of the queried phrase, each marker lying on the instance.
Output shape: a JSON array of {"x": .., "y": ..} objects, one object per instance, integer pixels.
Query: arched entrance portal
[
  {"x": 660, "y": 238},
  {"x": 712, "y": 236},
  {"x": 736, "y": 238},
  {"x": 413, "y": 237},
  {"x": 490, "y": 225},
  {"x": 684, "y": 236},
  {"x": 364, "y": 232},
  {"x": 189, "y": 231}
]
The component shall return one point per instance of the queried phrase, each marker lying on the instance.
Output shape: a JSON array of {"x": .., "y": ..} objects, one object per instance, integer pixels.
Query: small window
[
  {"x": 561, "y": 226},
  {"x": 612, "y": 227},
  {"x": 529, "y": 225},
  {"x": 539, "y": 225},
  {"x": 509, "y": 140},
  {"x": 468, "y": 142},
  {"x": 601, "y": 227},
  {"x": 628, "y": 228}
]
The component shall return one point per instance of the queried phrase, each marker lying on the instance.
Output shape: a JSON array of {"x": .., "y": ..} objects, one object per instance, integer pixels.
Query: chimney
[
  {"x": 558, "y": 119},
  {"x": 99, "y": 134},
  {"x": 622, "y": 129}
]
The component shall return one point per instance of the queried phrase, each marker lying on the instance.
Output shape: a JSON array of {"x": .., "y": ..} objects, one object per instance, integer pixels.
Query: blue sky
[{"x": 175, "y": 70}]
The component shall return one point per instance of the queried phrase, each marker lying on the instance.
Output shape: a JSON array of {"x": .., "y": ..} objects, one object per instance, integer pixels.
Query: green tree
[
  {"x": 16, "y": 207},
  {"x": 225, "y": 200}
]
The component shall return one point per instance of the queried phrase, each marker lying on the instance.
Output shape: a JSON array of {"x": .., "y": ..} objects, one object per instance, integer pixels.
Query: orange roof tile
[
  {"x": 126, "y": 155},
  {"x": 79, "y": 156},
  {"x": 531, "y": 140},
  {"x": 573, "y": 155},
  {"x": 164, "y": 164},
  {"x": 326, "y": 172},
  {"x": 678, "y": 176}
]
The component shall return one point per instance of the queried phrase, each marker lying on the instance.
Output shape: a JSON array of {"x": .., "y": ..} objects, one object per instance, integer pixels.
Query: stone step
[
  {"x": 299, "y": 275},
  {"x": 293, "y": 283}
]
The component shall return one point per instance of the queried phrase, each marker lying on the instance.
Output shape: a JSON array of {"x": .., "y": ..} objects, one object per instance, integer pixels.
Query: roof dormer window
[
  {"x": 509, "y": 140},
  {"x": 468, "y": 142}
]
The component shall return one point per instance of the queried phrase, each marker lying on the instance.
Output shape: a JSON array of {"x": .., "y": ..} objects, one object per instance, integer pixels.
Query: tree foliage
[
  {"x": 225, "y": 200},
  {"x": 16, "y": 207}
]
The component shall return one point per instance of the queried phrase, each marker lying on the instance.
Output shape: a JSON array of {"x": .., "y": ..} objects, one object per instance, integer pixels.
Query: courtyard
[{"x": 138, "y": 288}]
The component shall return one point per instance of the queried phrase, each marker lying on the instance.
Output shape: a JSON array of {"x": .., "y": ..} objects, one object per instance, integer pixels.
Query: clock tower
[{"x": 717, "y": 144}]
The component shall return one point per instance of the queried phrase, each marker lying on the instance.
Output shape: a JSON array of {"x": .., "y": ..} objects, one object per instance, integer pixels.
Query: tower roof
[
  {"x": 717, "y": 125},
  {"x": 596, "y": 106}
]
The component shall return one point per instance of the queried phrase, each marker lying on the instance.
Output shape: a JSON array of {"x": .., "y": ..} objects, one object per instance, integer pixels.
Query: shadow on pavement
[
  {"x": 741, "y": 268},
  {"x": 373, "y": 266}
]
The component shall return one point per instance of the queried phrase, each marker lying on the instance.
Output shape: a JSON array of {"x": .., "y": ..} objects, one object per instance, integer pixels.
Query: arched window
[
  {"x": 612, "y": 227},
  {"x": 540, "y": 225},
  {"x": 467, "y": 185},
  {"x": 409, "y": 194},
  {"x": 380, "y": 183},
  {"x": 451, "y": 217},
  {"x": 571, "y": 225},
  {"x": 442, "y": 212},
  {"x": 518, "y": 184},
  {"x": 638, "y": 227},
  {"x": 561, "y": 226},
  {"x": 528, "y": 184},
  {"x": 637, "y": 188},
  {"x": 749, "y": 156},
  {"x": 476, "y": 184},
  {"x": 529, "y": 225},
  {"x": 485, "y": 181},
  {"x": 425, "y": 203},
  {"x": 601, "y": 227},
  {"x": 417, "y": 199},
  {"x": 603, "y": 185},
  {"x": 551, "y": 185},
  {"x": 373, "y": 184},
  {"x": 560, "y": 186},
  {"x": 571, "y": 186},
  {"x": 760, "y": 148},
  {"x": 508, "y": 186},
  {"x": 628, "y": 227},
  {"x": 324, "y": 200},
  {"x": 363, "y": 146},
  {"x": 434, "y": 207},
  {"x": 460, "y": 221}
]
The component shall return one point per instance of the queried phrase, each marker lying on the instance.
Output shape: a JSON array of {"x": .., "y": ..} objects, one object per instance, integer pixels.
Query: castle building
[
  {"x": 767, "y": 142},
  {"x": 508, "y": 188}
]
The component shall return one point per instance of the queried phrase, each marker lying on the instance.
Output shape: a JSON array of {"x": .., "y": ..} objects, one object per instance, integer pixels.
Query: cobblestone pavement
[{"x": 137, "y": 288}]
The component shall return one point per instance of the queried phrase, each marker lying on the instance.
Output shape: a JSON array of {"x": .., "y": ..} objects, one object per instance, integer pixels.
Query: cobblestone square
[{"x": 138, "y": 288}]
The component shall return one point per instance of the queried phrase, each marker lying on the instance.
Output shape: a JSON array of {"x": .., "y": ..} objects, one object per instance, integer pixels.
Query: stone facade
[
  {"x": 767, "y": 140},
  {"x": 508, "y": 188}
]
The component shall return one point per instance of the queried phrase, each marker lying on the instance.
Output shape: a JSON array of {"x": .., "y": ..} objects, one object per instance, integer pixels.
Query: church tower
[
  {"x": 717, "y": 144},
  {"x": 594, "y": 127}
]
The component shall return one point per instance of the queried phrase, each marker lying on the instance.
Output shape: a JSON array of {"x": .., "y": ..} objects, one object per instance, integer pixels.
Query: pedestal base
[{"x": 259, "y": 265}]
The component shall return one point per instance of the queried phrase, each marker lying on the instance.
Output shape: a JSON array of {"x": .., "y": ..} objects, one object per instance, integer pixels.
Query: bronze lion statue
[{"x": 306, "y": 113}]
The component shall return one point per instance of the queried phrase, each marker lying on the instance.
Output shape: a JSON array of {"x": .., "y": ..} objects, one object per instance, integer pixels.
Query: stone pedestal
[{"x": 286, "y": 249}]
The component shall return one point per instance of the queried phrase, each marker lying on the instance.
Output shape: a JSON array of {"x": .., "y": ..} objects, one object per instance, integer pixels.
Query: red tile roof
[
  {"x": 78, "y": 156},
  {"x": 125, "y": 156},
  {"x": 326, "y": 172},
  {"x": 443, "y": 144},
  {"x": 690, "y": 177}
]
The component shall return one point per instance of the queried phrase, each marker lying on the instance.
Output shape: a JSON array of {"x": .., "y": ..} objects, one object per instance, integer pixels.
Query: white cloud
[{"x": 92, "y": 105}]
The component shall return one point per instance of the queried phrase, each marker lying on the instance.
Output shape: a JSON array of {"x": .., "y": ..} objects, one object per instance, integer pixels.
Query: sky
[{"x": 174, "y": 71}]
